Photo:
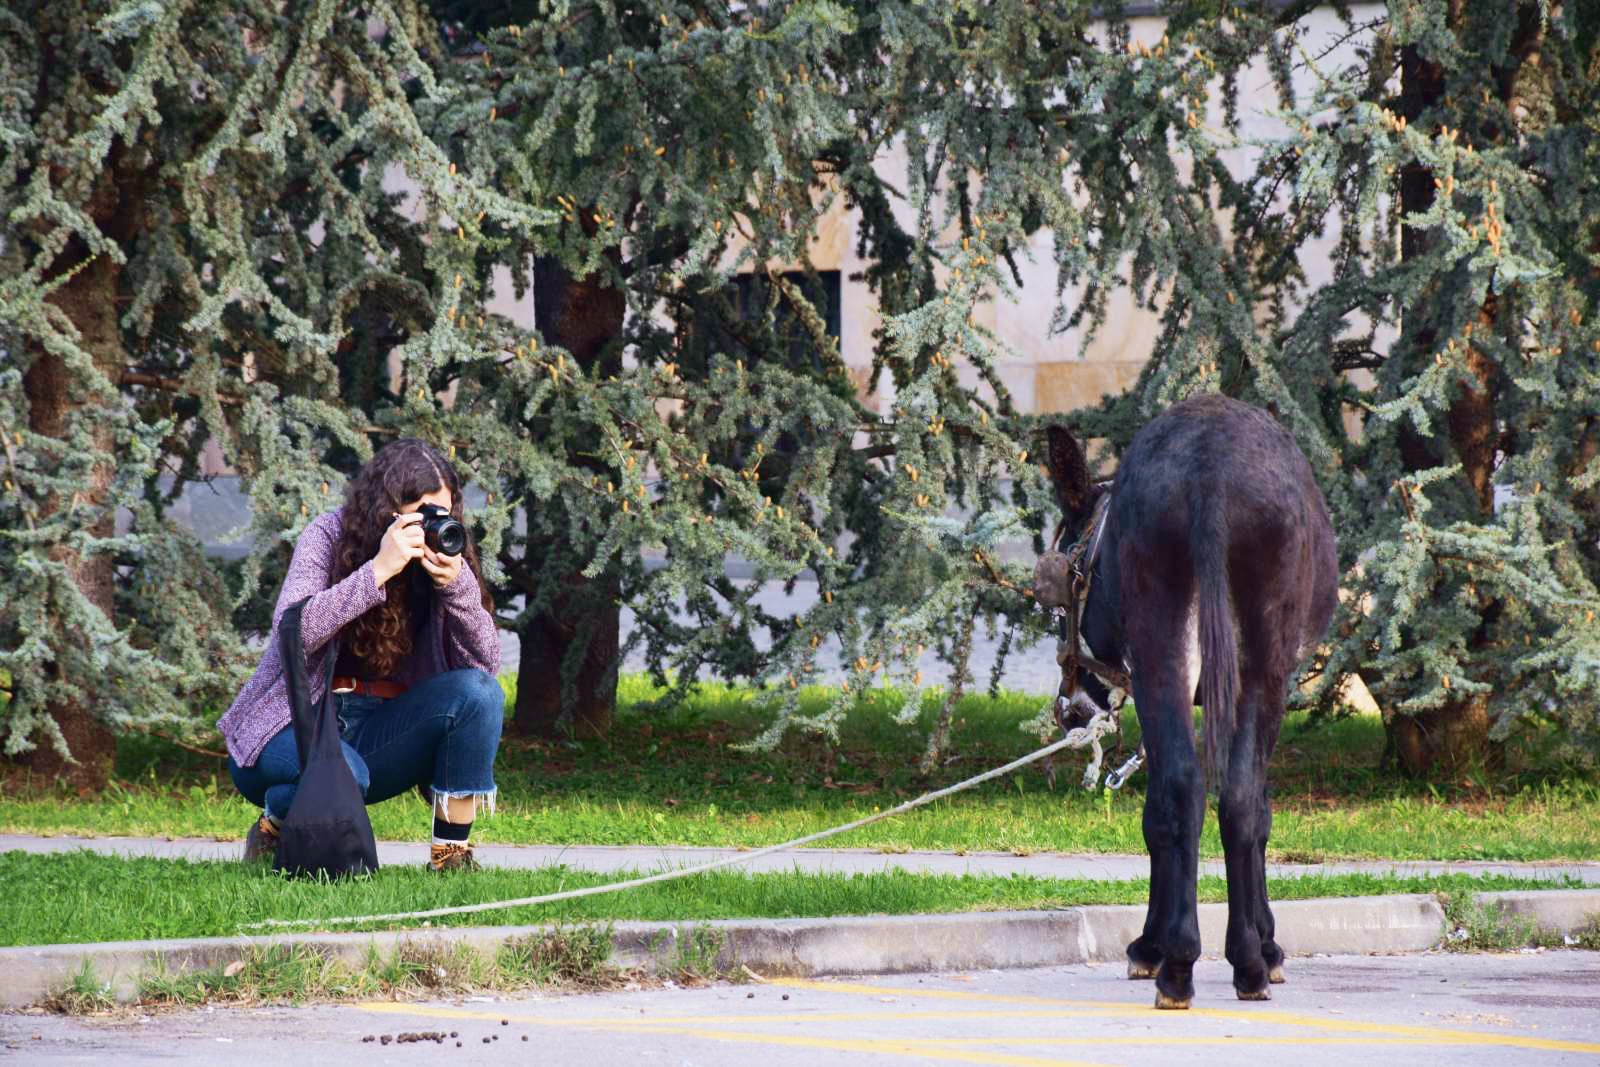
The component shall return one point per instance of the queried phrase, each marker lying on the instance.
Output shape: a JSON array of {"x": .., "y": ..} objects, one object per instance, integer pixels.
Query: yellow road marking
[
  {"x": 688, "y": 1024},
  {"x": 883, "y": 1046},
  {"x": 384, "y": 1007},
  {"x": 961, "y": 994},
  {"x": 714, "y": 1027},
  {"x": 1431, "y": 1034},
  {"x": 1211, "y": 1039}
]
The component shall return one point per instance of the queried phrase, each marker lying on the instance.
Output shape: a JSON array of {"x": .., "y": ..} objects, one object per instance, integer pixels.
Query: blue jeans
[{"x": 442, "y": 732}]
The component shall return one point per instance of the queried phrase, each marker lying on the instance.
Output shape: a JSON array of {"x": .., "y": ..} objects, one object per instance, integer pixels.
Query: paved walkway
[{"x": 838, "y": 860}]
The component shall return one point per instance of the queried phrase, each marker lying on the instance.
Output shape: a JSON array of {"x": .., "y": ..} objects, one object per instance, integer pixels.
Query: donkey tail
[{"x": 1219, "y": 642}]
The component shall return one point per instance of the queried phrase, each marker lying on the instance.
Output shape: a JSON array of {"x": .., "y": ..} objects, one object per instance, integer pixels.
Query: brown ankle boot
[
  {"x": 452, "y": 857},
  {"x": 262, "y": 840}
]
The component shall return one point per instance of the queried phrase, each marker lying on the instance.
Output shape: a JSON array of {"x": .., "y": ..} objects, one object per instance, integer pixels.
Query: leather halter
[{"x": 1081, "y": 560}]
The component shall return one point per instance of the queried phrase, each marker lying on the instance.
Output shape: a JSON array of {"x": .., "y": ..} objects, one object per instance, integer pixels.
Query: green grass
[
  {"x": 102, "y": 898},
  {"x": 675, "y": 777},
  {"x": 572, "y": 958},
  {"x": 1474, "y": 925}
]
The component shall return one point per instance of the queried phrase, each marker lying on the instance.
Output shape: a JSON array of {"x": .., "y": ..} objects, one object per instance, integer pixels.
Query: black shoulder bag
[{"x": 327, "y": 831}]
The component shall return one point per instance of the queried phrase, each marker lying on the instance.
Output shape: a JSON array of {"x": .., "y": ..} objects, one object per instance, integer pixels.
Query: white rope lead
[{"x": 1083, "y": 737}]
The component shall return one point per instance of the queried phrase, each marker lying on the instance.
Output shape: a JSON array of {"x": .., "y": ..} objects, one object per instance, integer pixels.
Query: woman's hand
[
  {"x": 402, "y": 542},
  {"x": 442, "y": 569}
]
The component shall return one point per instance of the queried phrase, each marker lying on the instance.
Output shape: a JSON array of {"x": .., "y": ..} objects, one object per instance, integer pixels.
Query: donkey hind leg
[
  {"x": 1245, "y": 820},
  {"x": 1173, "y": 810},
  {"x": 1271, "y": 953}
]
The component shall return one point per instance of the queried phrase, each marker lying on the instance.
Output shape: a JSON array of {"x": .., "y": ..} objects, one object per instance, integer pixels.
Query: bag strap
[{"x": 315, "y": 726}]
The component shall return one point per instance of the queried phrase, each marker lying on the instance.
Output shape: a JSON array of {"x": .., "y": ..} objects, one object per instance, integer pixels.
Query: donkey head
[{"x": 1053, "y": 576}]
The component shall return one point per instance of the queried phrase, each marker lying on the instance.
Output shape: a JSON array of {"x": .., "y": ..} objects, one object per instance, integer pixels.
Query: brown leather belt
[{"x": 363, "y": 688}]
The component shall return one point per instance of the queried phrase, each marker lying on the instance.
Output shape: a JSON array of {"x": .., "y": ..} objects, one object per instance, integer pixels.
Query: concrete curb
[
  {"x": 1554, "y": 912},
  {"x": 810, "y": 947}
]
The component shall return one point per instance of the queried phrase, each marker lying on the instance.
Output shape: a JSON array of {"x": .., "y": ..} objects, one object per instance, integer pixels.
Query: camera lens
[
  {"x": 447, "y": 538},
  {"x": 442, "y": 533}
]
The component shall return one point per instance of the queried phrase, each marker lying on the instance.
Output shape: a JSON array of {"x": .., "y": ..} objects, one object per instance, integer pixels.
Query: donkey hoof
[
  {"x": 1137, "y": 970},
  {"x": 1275, "y": 975},
  {"x": 1264, "y": 993},
  {"x": 1166, "y": 1003}
]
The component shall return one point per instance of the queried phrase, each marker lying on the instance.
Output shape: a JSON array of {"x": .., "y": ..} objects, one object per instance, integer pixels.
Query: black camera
[{"x": 442, "y": 532}]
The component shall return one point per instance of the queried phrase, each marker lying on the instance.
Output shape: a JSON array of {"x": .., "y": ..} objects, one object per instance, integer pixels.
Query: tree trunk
[
  {"x": 584, "y": 316},
  {"x": 1446, "y": 740},
  {"x": 589, "y": 613},
  {"x": 88, "y": 299},
  {"x": 1587, "y": 502}
]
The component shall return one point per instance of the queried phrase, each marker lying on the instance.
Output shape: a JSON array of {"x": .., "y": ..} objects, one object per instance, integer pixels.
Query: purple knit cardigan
[{"x": 462, "y": 634}]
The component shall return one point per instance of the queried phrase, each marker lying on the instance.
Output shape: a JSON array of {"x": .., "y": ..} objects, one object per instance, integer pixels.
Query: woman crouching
[{"x": 416, "y": 696}]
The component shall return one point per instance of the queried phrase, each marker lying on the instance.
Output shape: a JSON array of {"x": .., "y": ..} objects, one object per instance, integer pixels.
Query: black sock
[{"x": 450, "y": 833}]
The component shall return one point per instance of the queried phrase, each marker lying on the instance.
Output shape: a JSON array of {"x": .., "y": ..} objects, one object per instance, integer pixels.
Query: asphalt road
[{"x": 1438, "y": 1009}]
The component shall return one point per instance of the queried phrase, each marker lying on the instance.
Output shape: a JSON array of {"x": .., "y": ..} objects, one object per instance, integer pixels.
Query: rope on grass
[{"x": 1084, "y": 737}]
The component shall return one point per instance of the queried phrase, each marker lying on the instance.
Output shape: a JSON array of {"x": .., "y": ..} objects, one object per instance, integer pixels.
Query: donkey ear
[{"x": 1069, "y": 471}]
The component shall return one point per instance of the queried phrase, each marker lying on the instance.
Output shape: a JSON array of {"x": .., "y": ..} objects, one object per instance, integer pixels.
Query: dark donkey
[{"x": 1216, "y": 572}]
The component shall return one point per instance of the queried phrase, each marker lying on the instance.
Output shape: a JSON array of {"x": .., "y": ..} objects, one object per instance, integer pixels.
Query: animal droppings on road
[
  {"x": 412, "y": 1038},
  {"x": 408, "y": 1037}
]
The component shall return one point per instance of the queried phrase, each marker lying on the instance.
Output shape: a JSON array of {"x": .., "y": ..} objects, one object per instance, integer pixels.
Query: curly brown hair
[{"x": 398, "y": 474}]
